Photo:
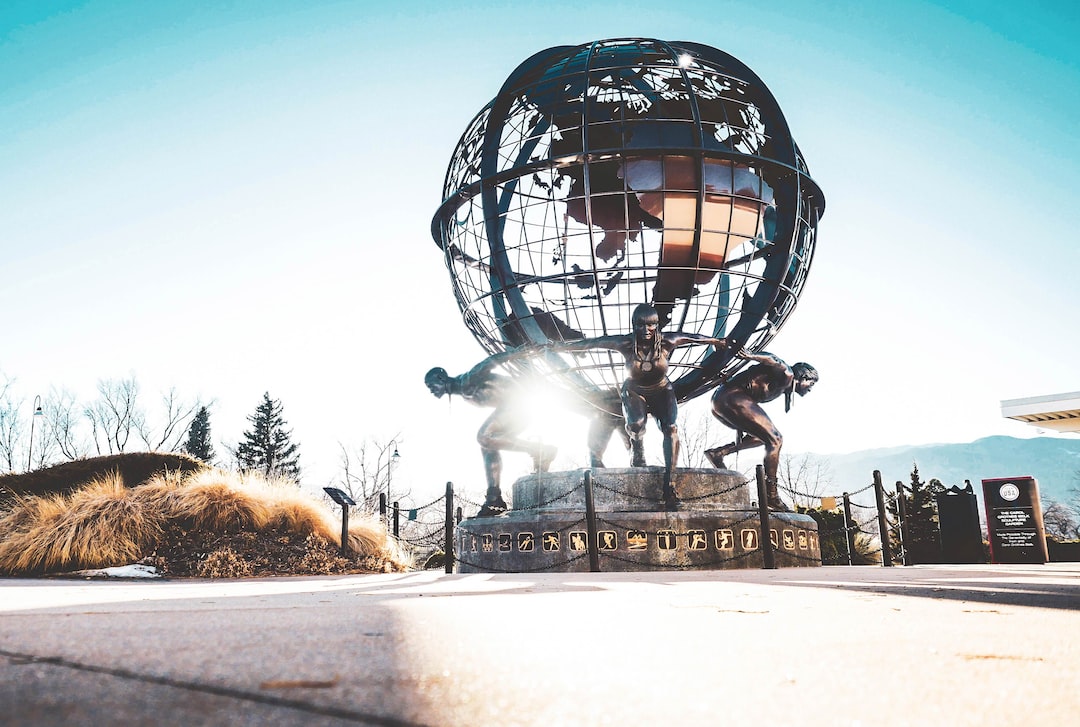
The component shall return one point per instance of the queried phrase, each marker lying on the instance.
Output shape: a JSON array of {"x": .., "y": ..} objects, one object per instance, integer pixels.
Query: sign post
[{"x": 1014, "y": 520}]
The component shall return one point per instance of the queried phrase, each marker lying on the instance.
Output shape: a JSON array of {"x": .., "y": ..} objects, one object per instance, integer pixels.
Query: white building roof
[{"x": 1060, "y": 412}]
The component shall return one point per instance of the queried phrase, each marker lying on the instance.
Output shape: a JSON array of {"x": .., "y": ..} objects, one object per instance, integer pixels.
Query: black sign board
[
  {"x": 958, "y": 521},
  {"x": 1014, "y": 520}
]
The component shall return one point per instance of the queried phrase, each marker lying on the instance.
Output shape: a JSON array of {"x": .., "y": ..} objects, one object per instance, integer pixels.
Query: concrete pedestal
[{"x": 716, "y": 527}]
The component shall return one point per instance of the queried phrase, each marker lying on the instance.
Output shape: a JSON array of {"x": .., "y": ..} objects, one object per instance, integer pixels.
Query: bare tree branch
[
  {"x": 367, "y": 471},
  {"x": 115, "y": 414},
  {"x": 10, "y": 428},
  {"x": 62, "y": 425},
  {"x": 177, "y": 416}
]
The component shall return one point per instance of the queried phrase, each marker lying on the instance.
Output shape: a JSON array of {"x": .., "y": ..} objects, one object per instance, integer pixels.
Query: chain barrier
[
  {"x": 811, "y": 496},
  {"x": 436, "y": 501},
  {"x": 487, "y": 568},
  {"x": 463, "y": 500},
  {"x": 644, "y": 498},
  {"x": 423, "y": 538},
  {"x": 867, "y": 527},
  {"x": 679, "y": 566},
  {"x": 556, "y": 498}
]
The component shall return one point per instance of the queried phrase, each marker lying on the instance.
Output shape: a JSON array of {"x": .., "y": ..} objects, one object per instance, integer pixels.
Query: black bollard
[
  {"x": 882, "y": 522},
  {"x": 448, "y": 536},
  {"x": 590, "y": 523},
  {"x": 849, "y": 531},
  {"x": 768, "y": 558}
]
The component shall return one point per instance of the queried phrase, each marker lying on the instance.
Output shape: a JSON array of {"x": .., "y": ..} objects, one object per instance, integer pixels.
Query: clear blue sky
[{"x": 232, "y": 198}]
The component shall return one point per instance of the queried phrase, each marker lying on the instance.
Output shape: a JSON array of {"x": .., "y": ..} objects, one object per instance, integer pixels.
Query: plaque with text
[{"x": 1014, "y": 520}]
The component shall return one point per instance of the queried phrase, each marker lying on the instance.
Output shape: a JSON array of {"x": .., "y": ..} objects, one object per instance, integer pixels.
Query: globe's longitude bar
[{"x": 627, "y": 171}]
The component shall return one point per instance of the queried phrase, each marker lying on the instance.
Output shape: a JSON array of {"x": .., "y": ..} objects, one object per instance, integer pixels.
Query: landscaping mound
[
  {"x": 132, "y": 469},
  {"x": 206, "y": 523}
]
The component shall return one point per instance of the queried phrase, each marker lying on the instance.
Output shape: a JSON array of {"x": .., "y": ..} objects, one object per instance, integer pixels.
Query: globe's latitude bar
[{"x": 622, "y": 172}]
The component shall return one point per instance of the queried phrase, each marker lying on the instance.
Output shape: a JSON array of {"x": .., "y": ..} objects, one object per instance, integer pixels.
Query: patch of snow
[{"x": 135, "y": 570}]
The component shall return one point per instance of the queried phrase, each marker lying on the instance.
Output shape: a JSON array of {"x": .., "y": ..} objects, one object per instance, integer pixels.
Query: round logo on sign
[{"x": 1009, "y": 491}]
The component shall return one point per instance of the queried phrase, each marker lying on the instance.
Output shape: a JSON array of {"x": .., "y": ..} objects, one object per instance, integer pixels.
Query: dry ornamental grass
[{"x": 205, "y": 523}]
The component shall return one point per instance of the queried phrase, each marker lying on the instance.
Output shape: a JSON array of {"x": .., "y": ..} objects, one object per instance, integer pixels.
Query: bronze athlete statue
[
  {"x": 481, "y": 386},
  {"x": 646, "y": 389},
  {"x": 736, "y": 404}
]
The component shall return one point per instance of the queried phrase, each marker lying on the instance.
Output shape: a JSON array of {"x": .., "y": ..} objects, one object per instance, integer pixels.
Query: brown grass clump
[
  {"x": 211, "y": 500},
  {"x": 206, "y": 523},
  {"x": 97, "y": 526}
]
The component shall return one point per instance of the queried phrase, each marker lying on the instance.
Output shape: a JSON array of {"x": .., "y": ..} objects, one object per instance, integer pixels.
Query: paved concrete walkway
[{"x": 957, "y": 645}]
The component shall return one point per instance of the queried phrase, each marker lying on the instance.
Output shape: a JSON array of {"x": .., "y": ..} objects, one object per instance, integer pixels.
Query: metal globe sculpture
[{"x": 622, "y": 172}]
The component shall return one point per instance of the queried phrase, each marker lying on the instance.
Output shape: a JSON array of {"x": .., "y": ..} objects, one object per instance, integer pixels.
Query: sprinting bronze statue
[
  {"x": 481, "y": 386},
  {"x": 646, "y": 389},
  {"x": 736, "y": 403}
]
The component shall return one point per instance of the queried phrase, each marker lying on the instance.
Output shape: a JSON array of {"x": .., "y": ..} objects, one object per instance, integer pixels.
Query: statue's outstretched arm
[
  {"x": 612, "y": 343},
  {"x": 494, "y": 360},
  {"x": 678, "y": 338},
  {"x": 770, "y": 360}
]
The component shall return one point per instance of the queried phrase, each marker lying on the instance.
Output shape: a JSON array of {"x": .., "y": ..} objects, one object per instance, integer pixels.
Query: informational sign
[
  {"x": 749, "y": 539},
  {"x": 637, "y": 540},
  {"x": 1014, "y": 520},
  {"x": 579, "y": 540},
  {"x": 789, "y": 539},
  {"x": 525, "y": 542},
  {"x": 607, "y": 540},
  {"x": 505, "y": 542},
  {"x": 697, "y": 540}
]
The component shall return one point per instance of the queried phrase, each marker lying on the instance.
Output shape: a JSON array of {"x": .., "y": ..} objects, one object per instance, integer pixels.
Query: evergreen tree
[
  {"x": 921, "y": 538},
  {"x": 267, "y": 446},
  {"x": 198, "y": 439},
  {"x": 832, "y": 538}
]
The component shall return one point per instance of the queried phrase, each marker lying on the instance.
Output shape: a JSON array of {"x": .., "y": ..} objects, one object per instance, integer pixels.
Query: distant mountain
[{"x": 1053, "y": 461}]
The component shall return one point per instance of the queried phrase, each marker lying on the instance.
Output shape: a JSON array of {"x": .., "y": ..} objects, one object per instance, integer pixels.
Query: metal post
[
  {"x": 901, "y": 515},
  {"x": 768, "y": 558},
  {"x": 345, "y": 530},
  {"x": 448, "y": 539},
  {"x": 382, "y": 506},
  {"x": 33, "y": 420},
  {"x": 457, "y": 515},
  {"x": 345, "y": 500},
  {"x": 590, "y": 524},
  {"x": 397, "y": 519},
  {"x": 882, "y": 521},
  {"x": 849, "y": 532}
]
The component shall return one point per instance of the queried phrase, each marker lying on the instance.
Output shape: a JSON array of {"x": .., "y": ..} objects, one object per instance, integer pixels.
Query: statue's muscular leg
[
  {"x": 497, "y": 434},
  {"x": 636, "y": 415},
  {"x": 717, "y": 454},
  {"x": 494, "y": 504},
  {"x": 666, "y": 411},
  {"x": 737, "y": 410},
  {"x": 601, "y": 427}
]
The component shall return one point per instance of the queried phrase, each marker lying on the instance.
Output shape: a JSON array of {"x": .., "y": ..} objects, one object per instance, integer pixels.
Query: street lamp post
[
  {"x": 389, "y": 473},
  {"x": 30, "y": 449}
]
